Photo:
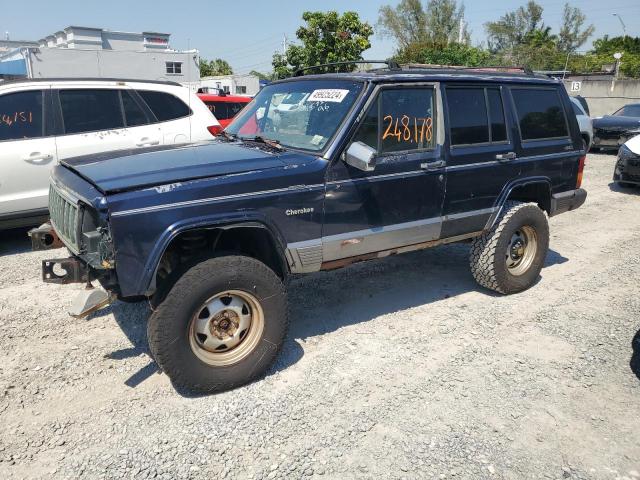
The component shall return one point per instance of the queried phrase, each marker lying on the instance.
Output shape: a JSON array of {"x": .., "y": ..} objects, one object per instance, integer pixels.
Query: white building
[
  {"x": 232, "y": 84},
  {"x": 96, "y": 52}
]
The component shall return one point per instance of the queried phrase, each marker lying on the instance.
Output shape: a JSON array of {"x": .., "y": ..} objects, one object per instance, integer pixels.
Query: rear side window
[
  {"x": 21, "y": 115},
  {"x": 540, "y": 113},
  {"x": 164, "y": 105},
  {"x": 133, "y": 114},
  {"x": 90, "y": 110},
  {"x": 476, "y": 115}
]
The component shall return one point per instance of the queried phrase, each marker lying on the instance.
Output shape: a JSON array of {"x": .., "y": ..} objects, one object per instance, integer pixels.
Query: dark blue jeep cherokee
[{"x": 317, "y": 172}]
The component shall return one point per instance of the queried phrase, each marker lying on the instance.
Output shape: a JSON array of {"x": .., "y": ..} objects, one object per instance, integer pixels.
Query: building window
[
  {"x": 241, "y": 89},
  {"x": 174, "y": 68}
]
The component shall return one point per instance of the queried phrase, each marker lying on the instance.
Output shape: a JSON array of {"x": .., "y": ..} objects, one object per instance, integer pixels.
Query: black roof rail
[
  {"x": 391, "y": 65},
  {"x": 523, "y": 68}
]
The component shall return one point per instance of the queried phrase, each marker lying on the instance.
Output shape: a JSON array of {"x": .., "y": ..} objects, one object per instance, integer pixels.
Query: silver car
[{"x": 584, "y": 122}]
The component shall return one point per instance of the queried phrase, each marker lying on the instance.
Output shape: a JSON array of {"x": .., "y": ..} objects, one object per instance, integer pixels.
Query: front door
[
  {"x": 27, "y": 151},
  {"x": 399, "y": 203}
]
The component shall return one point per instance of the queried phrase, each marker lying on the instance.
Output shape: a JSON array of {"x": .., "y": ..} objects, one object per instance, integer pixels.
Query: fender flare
[
  {"x": 509, "y": 188},
  {"x": 242, "y": 220}
]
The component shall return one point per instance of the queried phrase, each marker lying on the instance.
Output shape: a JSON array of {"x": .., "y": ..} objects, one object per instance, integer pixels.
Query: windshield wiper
[
  {"x": 229, "y": 136},
  {"x": 267, "y": 141}
]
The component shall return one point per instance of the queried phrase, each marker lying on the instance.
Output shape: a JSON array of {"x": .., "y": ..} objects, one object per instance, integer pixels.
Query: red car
[{"x": 224, "y": 107}]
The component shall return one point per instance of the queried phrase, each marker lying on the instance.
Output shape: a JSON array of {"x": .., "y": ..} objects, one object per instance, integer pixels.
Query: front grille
[{"x": 64, "y": 218}]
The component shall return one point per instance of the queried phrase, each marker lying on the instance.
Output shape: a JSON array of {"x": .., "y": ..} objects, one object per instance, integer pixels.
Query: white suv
[{"x": 43, "y": 121}]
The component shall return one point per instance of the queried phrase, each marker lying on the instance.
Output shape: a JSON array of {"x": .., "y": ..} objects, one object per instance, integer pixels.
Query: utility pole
[
  {"x": 284, "y": 44},
  {"x": 460, "y": 30}
]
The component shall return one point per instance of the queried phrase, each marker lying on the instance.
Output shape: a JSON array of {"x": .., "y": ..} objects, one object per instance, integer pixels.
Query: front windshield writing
[{"x": 301, "y": 114}]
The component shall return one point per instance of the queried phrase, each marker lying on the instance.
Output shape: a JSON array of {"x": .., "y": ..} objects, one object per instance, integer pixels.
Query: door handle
[
  {"x": 433, "y": 165},
  {"x": 37, "y": 158},
  {"x": 146, "y": 141},
  {"x": 503, "y": 157}
]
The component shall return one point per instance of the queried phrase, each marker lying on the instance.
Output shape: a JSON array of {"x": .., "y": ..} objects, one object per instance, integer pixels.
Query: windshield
[
  {"x": 320, "y": 107},
  {"x": 628, "y": 111}
]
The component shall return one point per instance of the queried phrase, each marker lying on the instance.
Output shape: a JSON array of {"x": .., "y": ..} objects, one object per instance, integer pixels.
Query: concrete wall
[
  {"x": 70, "y": 63},
  {"x": 605, "y": 95}
]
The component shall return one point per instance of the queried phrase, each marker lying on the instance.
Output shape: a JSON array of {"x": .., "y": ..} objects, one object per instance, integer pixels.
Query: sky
[{"x": 246, "y": 33}]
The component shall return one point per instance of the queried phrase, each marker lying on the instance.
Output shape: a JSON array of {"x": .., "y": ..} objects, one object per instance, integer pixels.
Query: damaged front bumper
[{"x": 75, "y": 269}]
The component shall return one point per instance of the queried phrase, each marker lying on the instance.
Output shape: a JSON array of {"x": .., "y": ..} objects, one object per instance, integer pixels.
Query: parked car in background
[
  {"x": 44, "y": 121},
  {"x": 611, "y": 131},
  {"x": 584, "y": 122},
  {"x": 224, "y": 107},
  {"x": 627, "y": 170},
  {"x": 377, "y": 163}
]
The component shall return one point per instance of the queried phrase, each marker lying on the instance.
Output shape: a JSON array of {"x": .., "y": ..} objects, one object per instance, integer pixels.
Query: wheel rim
[
  {"x": 226, "y": 328},
  {"x": 521, "y": 250}
]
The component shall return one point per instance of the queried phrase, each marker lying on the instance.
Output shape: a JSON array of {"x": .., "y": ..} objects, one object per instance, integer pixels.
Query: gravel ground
[{"x": 400, "y": 368}]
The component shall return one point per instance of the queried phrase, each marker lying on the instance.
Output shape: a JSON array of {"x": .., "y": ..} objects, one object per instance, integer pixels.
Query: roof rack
[
  {"x": 507, "y": 68},
  {"x": 391, "y": 65},
  {"x": 90, "y": 79}
]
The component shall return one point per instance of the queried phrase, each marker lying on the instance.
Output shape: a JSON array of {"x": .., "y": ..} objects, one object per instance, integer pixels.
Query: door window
[
  {"x": 86, "y": 110},
  {"x": 21, "y": 115},
  {"x": 468, "y": 119},
  {"x": 399, "y": 120},
  {"x": 540, "y": 113},
  {"x": 133, "y": 114},
  {"x": 164, "y": 105},
  {"x": 476, "y": 115}
]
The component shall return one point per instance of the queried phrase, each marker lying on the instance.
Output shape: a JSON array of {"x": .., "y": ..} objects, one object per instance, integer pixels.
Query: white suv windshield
[{"x": 314, "y": 111}]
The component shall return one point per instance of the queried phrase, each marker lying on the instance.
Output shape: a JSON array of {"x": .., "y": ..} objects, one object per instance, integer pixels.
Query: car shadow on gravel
[
  {"x": 328, "y": 301},
  {"x": 14, "y": 241},
  {"x": 631, "y": 190},
  {"x": 132, "y": 320},
  {"x": 634, "y": 363}
]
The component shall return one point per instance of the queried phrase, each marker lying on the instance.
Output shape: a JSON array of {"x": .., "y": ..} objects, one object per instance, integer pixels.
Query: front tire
[
  {"x": 508, "y": 258},
  {"x": 221, "y": 325}
]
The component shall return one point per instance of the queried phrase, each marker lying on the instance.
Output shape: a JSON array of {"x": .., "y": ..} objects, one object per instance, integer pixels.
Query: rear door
[
  {"x": 92, "y": 121},
  {"x": 27, "y": 150},
  {"x": 481, "y": 152}
]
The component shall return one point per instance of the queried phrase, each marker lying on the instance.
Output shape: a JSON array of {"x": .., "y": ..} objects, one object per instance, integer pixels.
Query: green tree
[
  {"x": 215, "y": 67},
  {"x": 572, "y": 35},
  {"x": 410, "y": 23},
  {"x": 326, "y": 37},
  {"x": 454, "y": 54},
  {"x": 606, "y": 45},
  {"x": 513, "y": 28}
]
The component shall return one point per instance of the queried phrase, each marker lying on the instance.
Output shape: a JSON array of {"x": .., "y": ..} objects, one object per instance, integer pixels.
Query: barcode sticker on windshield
[{"x": 328, "y": 95}]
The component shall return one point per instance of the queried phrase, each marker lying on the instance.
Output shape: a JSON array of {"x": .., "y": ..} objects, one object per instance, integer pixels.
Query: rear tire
[
  {"x": 508, "y": 258},
  {"x": 221, "y": 325}
]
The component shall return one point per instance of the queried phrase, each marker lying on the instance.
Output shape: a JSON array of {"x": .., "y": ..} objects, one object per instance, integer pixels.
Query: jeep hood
[{"x": 130, "y": 169}]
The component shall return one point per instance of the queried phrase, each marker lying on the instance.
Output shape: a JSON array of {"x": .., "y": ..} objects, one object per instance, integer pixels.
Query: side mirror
[{"x": 361, "y": 156}]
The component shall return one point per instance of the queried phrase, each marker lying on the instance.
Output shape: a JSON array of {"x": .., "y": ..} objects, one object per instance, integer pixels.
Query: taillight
[
  {"x": 580, "y": 170},
  {"x": 215, "y": 130}
]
